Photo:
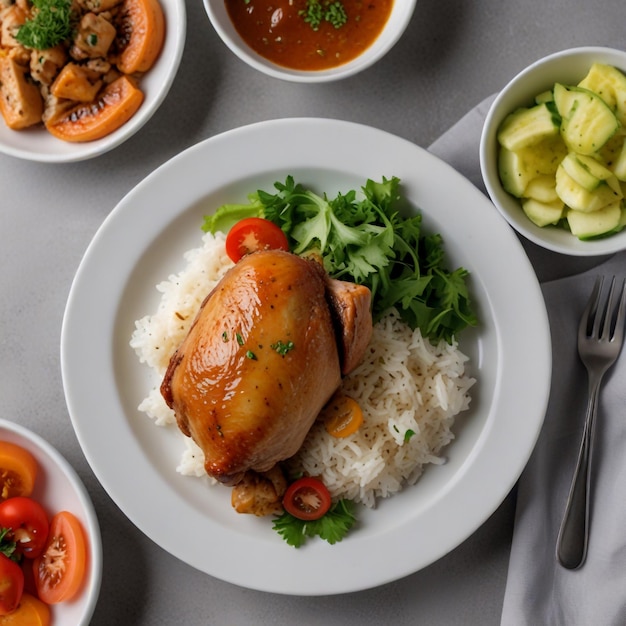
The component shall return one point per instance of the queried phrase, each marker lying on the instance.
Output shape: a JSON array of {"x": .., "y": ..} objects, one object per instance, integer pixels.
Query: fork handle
[{"x": 574, "y": 532}]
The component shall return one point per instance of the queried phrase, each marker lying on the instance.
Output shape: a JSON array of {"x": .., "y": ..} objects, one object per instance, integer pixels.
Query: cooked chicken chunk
[
  {"x": 260, "y": 494},
  {"x": 45, "y": 64},
  {"x": 260, "y": 361},
  {"x": 98, "y": 6},
  {"x": 93, "y": 38},
  {"x": 21, "y": 103},
  {"x": 11, "y": 19}
]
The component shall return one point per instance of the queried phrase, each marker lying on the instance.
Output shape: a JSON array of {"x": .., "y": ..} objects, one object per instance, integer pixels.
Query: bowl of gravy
[{"x": 310, "y": 40}]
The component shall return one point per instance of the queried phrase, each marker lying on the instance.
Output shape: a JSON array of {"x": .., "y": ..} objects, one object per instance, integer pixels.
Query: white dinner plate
[{"x": 142, "y": 242}]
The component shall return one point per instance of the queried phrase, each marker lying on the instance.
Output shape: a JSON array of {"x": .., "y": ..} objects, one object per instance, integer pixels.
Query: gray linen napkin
[{"x": 539, "y": 591}]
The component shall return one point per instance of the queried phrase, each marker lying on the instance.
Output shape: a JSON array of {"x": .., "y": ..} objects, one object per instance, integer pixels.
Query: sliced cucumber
[
  {"x": 610, "y": 84},
  {"x": 545, "y": 156},
  {"x": 517, "y": 169},
  {"x": 614, "y": 155},
  {"x": 543, "y": 213},
  {"x": 542, "y": 188},
  {"x": 587, "y": 172},
  {"x": 576, "y": 197},
  {"x": 526, "y": 127},
  {"x": 544, "y": 96},
  {"x": 601, "y": 222},
  {"x": 514, "y": 172},
  {"x": 587, "y": 122}
]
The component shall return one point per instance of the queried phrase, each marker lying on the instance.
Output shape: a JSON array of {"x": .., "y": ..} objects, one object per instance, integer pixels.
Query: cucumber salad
[{"x": 564, "y": 157}]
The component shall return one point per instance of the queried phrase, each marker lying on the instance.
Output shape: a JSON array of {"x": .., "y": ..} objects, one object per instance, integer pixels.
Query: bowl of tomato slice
[{"x": 50, "y": 544}]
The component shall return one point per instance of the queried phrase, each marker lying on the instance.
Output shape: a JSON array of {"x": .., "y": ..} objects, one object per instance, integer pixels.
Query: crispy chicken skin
[
  {"x": 245, "y": 401},
  {"x": 262, "y": 358}
]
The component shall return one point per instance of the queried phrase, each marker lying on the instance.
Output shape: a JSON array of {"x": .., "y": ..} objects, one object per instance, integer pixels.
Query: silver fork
[{"x": 600, "y": 339}]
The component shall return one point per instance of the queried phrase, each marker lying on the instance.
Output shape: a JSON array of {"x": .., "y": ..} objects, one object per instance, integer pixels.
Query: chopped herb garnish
[
  {"x": 336, "y": 14},
  {"x": 408, "y": 434},
  {"x": 332, "y": 527},
  {"x": 92, "y": 40},
  {"x": 239, "y": 339},
  {"x": 318, "y": 11},
  {"x": 225, "y": 336},
  {"x": 8, "y": 545},
  {"x": 282, "y": 348},
  {"x": 50, "y": 25},
  {"x": 369, "y": 241},
  {"x": 250, "y": 355}
]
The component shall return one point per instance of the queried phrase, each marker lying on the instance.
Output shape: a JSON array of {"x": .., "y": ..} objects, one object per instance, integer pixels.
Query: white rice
[{"x": 409, "y": 390}]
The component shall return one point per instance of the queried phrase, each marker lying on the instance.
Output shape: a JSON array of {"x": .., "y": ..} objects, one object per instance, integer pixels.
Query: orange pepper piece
[{"x": 342, "y": 416}]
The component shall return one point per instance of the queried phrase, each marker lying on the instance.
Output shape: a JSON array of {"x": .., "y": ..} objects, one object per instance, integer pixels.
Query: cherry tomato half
[
  {"x": 307, "y": 499},
  {"x": 11, "y": 585},
  {"x": 30, "y": 612},
  {"x": 28, "y": 522},
  {"x": 18, "y": 470},
  {"x": 60, "y": 569},
  {"x": 253, "y": 234}
]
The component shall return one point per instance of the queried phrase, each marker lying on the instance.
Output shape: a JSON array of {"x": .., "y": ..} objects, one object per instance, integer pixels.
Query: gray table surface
[{"x": 452, "y": 56}]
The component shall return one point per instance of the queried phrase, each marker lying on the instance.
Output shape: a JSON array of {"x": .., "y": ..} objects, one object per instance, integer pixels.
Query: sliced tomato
[
  {"x": 253, "y": 234},
  {"x": 31, "y": 611},
  {"x": 307, "y": 499},
  {"x": 60, "y": 570},
  {"x": 18, "y": 470},
  {"x": 11, "y": 585},
  {"x": 342, "y": 416},
  {"x": 28, "y": 524}
]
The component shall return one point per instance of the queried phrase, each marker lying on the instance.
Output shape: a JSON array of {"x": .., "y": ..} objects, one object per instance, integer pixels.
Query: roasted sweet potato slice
[
  {"x": 141, "y": 32},
  {"x": 112, "y": 108}
]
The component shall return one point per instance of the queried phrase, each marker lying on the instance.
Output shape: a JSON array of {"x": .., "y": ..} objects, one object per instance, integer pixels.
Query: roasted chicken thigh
[{"x": 263, "y": 356}]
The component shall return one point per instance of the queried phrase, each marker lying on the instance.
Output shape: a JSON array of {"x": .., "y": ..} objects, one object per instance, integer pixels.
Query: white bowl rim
[
  {"x": 92, "y": 590},
  {"x": 559, "y": 241},
  {"x": 68, "y": 152},
  {"x": 402, "y": 13}
]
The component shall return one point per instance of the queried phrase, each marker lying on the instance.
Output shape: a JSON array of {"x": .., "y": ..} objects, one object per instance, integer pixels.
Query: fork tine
[
  {"x": 607, "y": 314},
  {"x": 604, "y": 318},
  {"x": 621, "y": 315},
  {"x": 589, "y": 319}
]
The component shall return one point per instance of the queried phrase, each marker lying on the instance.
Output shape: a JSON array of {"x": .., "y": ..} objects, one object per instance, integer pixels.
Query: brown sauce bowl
[{"x": 400, "y": 15}]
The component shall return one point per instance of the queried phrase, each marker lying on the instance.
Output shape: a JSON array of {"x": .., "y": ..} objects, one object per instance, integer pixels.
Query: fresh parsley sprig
[
  {"x": 332, "y": 527},
  {"x": 368, "y": 241},
  {"x": 50, "y": 25}
]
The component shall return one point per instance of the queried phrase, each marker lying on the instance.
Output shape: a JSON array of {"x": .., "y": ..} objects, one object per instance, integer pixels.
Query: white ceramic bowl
[
  {"x": 57, "y": 488},
  {"x": 568, "y": 67},
  {"x": 36, "y": 144},
  {"x": 399, "y": 19}
]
